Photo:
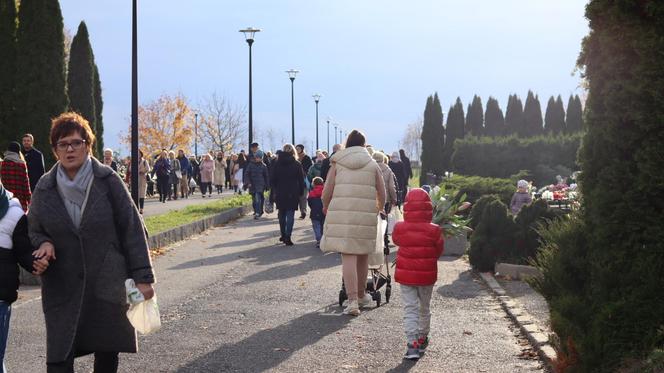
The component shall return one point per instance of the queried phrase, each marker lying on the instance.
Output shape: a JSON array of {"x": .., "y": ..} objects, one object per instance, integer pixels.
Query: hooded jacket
[
  {"x": 354, "y": 194},
  {"x": 420, "y": 242}
]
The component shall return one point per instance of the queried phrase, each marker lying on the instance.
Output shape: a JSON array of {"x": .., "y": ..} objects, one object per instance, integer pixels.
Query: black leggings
[
  {"x": 141, "y": 203},
  {"x": 206, "y": 187},
  {"x": 163, "y": 187},
  {"x": 105, "y": 362}
]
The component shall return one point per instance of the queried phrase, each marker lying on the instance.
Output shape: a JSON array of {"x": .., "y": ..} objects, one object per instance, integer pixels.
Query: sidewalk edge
[
  {"x": 523, "y": 320},
  {"x": 183, "y": 232}
]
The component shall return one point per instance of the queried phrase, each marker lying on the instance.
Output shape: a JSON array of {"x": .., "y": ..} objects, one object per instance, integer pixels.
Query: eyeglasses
[{"x": 75, "y": 145}]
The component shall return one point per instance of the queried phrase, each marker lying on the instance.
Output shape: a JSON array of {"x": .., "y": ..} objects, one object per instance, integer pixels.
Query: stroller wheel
[
  {"x": 342, "y": 297},
  {"x": 377, "y": 297},
  {"x": 388, "y": 293}
]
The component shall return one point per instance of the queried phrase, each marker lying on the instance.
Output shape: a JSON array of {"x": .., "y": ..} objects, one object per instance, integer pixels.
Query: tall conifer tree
[
  {"x": 433, "y": 139},
  {"x": 495, "y": 121},
  {"x": 551, "y": 123},
  {"x": 81, "y": 79},
  {"x": 99, "y": 108},
  {"x": 475, "y": 118},
  {"x": 513, "y": 115},
  {"x": 453, "y": 130},
  {"x": 560, "y": 114},
  {"x": 39, "y": 93},
  {"x": 532, "y": 117},
  {"x": 7, "y": 68},
  {"x": 574, "y": 117}
]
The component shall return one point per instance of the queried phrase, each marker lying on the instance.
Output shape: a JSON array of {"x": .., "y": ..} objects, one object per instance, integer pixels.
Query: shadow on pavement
[
  {"x": 462, "y": 288},
  {"x": 405, "y": 366},
  {"x": 315, "y": 261},
  {"x": 272, "y": 346}
]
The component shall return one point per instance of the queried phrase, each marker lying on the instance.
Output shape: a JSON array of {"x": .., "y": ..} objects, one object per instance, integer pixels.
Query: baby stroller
[{"x": 380, "y": 275}]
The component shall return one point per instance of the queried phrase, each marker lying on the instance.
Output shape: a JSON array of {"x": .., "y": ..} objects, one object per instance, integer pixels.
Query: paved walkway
[
  {"x": 154, "y": 207},
  {"x": 234, "y": 300}
]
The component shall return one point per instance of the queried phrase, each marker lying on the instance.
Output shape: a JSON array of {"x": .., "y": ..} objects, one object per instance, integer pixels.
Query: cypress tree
[
  {"x": 495, "y": 121},
  {"x": 454, "y": 130},
  {"x": 80, "y": 79},
  {"x": 99, "y": 107},
  {"x": 615, "y": 317},
  {"x": 475, "y": 118},
  {"x": 552, "y": 123},
  {"x": 513, "y": 115},
  {"x": 39, "y": 92},
  {"x": 433, "y": 139},
  {"x": 574, "y": 117},
  {"x": 7, "y": 68},
  {"x": 532, "y": 117},
  {"x": 560, "y": 114}
]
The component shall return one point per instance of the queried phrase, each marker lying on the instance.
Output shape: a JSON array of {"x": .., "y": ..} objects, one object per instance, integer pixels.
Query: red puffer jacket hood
[{"x": 420, "y": 242}]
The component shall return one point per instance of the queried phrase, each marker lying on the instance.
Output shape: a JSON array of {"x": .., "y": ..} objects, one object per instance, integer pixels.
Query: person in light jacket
[
  {"x": 388, "y": 178},
  {"x": 353, "y": 197},
  {"x": 207, "y": 174},
  {"x": 219, "y": 172},
  {"x": 83, "y": 221}
]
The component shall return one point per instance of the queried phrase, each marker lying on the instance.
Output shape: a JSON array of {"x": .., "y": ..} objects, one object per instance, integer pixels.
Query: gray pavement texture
[
  {"x": 154, "y": 207},
  {"x": 531, "y": 301},
  {"x": 234, "y": 300}
]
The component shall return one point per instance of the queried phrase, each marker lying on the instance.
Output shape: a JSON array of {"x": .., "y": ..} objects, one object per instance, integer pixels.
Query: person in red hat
[{"x": 420, "y": 244}]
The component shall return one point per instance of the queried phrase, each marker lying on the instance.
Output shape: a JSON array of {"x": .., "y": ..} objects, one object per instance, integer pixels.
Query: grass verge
[{"x": 160, "y": 223}]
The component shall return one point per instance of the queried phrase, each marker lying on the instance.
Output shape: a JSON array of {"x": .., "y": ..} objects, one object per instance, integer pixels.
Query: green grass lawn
[
  {"x": 414, "y": 181},
  {"x": 190, "y": 214}
]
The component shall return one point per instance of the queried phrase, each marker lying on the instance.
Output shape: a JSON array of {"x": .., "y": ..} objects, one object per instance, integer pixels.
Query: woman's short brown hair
[
  {"x": 68, "y": 123},
  {"x": 355, "y": 138}
]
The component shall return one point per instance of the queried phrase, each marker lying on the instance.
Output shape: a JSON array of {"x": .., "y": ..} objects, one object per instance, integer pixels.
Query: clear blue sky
[{"x": 374, "y": 61}]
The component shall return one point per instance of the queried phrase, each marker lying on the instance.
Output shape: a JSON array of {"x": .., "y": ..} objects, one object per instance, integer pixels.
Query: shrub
[
  {"x": 478, "y": 208},
  {"x": 492, "y": 238},
  {"x": 527, "y": 238},
  {"x": 475, "y": 187},
  {"x": 543, "y": 156}
]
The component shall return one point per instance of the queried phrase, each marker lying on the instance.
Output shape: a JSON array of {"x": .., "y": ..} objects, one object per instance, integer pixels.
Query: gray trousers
[
  {"x": 417, "y": 313},
  {"x": 303, "y": 201}
]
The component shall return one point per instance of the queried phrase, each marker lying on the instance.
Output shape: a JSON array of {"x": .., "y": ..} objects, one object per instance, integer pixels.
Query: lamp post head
[
  {"x": 249, "y": 33},
  {"x": 291, "y": 73},
  {"x": 316, "y": 97}
]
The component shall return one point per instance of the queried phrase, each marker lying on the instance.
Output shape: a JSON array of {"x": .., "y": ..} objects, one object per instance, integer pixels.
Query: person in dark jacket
[
  {"x": 108, "y": 159},
  {"x": 287, "y": 185},
  {"x": 325, "y": 167},
  {"x": 83, "y": 213},
  {"x": 162, "y": 168},
  {"x": 399, "y": 171},
  {"x": 185, "y": 168},
  {"x": 15, "y": 248},
  {"x": 316, "y": 207},
  {"x": 406, "y": 164},
  {"x": 306, "y": 162},
  {"x": 228, "y": 182},
  {"x": 195, "y": 173},
  {"x": 34, "y": 159},
  {"x": 257, "y": 181}
]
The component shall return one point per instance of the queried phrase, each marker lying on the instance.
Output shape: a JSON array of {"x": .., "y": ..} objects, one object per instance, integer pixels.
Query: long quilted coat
[{"x": 420, "y": 242}]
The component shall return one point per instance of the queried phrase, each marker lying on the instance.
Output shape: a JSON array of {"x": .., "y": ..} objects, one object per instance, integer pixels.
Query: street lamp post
[
  {"x": 335, "y": 133},
  {"x": 328, "y": 136},
  {"x": 196, "y": 135},
  {"x": 316, "y": 98},
  {"x": 249, "y": 33},
  {"x": 291, "y": 75},
  {"x": 134, "y": 104}
]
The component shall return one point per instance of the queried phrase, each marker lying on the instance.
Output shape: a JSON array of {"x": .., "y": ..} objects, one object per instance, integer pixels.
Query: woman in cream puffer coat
[{"x": 353, "y": 197}]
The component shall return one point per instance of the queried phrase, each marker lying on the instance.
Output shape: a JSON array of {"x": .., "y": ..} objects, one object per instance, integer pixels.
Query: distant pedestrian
[
  {"x": 185, "y": 168},
  {"x": 34, "y": 159},
  {"x": 389, "y": 179},
  {"x": 520, "y": 198},
  {"x": 353, "y": 198},
  {"x": 143, "y": 174},
  {"x": 325, "y": 167},
  {"x": 219, "y": 172},
  {"x": 316, "y": 208},
  {"x": 195, "y": 174},
  {"x": 238, "y": 171},
  {"x": 287, "y": 187},
  {"x": 15, "y": 248},
  {"x": 257, "y": 181},
  {"x": 14, "y": 174},
  {"x": 406, "y": 164},
  {"x": 207, "y": 174},
  {"x": 316, "y": 169},
  {"x": 420, "y": 244},
  {"x": 399, "y": 170},
  {"x": 306, "y": 163},
  {"x": 162, "y": 169},
  {"x": 108, "y": 159},
  {"x": 228, "y": 182},
  {"x": 176, "y": 175},
  {"x": 85, "y": 305}
]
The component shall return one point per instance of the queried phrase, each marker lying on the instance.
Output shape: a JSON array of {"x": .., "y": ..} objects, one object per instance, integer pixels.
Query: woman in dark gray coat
[{"x": 82, "y": 215}]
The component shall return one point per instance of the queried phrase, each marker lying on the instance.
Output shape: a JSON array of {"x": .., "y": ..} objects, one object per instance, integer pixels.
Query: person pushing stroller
[{"x": 420, "y": 244}]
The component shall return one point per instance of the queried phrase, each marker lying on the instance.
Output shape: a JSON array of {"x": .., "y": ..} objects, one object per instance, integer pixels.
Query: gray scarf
[{"x": 75, "y": 192}]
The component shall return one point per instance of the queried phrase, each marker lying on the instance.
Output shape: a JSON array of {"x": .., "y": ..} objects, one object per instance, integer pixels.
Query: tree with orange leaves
[{"x": 165, "y": 123}]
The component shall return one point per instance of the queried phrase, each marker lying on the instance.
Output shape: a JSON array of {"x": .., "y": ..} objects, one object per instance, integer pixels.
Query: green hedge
[
  {"x": 475, "y": 187},
  {"x": 543, "y": 157}
]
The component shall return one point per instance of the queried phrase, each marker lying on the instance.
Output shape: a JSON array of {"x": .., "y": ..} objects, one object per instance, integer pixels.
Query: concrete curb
[
  {"x": 183, "y": 232},
  {"x": 523, "y": 320}
]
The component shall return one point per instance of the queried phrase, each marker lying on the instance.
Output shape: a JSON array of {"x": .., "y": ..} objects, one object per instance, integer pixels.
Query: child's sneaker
[
  {"x": 352, "y": 308},
  {"x": 412, "y": 351},
  {"x": 318, "y": 244},
  {"x": 423, "y": 343}
]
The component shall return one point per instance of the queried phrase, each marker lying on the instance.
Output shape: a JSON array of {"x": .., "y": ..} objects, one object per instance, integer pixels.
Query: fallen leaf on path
[{"x": 465, "y": 332}]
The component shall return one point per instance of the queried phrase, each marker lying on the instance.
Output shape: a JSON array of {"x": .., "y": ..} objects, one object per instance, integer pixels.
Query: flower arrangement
[{"x": 445, "y": 210}]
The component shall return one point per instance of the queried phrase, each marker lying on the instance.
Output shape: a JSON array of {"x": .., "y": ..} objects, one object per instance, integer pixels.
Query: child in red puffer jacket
[{"x": 420, "y": 244}]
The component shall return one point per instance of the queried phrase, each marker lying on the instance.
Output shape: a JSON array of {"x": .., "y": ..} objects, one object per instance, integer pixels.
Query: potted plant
[{"x": 455, "y": 226}]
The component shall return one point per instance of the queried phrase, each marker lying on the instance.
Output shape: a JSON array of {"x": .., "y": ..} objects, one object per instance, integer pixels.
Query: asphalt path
[
  {"x": 154, "y": 207},
  {"x": 234, "y": 300}
]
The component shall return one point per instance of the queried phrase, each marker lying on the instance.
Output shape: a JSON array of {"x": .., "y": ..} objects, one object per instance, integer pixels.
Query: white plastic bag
[
  {"x": 142, "y": 314},
  {"x": 377, "y": 257}
]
